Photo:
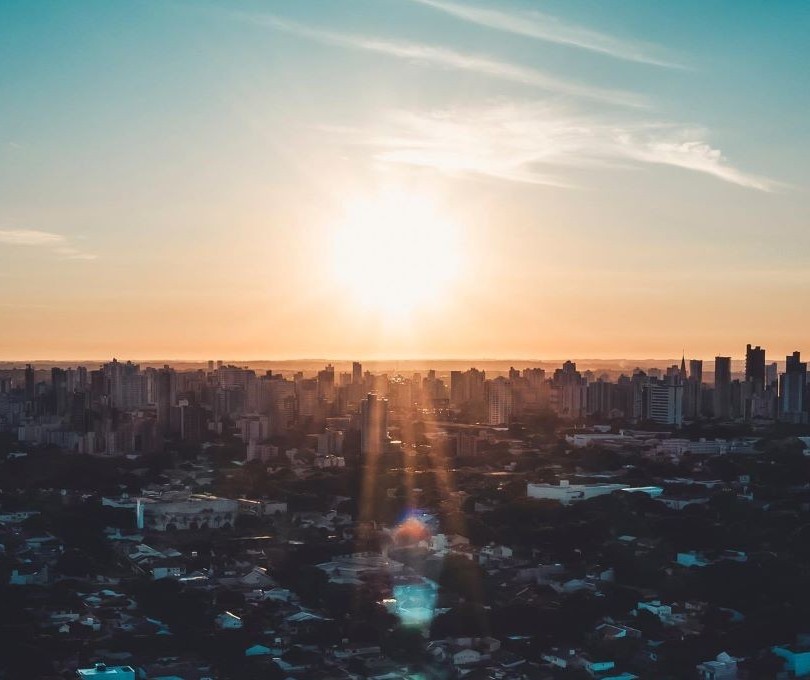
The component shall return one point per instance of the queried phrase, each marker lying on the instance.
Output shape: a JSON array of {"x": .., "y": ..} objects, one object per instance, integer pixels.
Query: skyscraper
[
  {"x": 792, "y": 388},
  {"x": 59, "y": 391},
  {"x": 499, "y": 401},
  {"x": 696, "y": 370},
  {"x": 357, "y": 373},
  {"x": 164, "y": 398},
  {"x": 600, "y": 398},
  {"x": 30, "y": 383},
  {"x": 755, "y": 367},
  {"x": 663, "y": 400},
  {"x": 306, "y": 392},
  {"x": 772, "y": 375},
  {"x": 326, "y": 383},
  {"x": 373, "y": 426},
  {"x": 569, "y": 391},
  {"x": 692, "y": 389},
  {"x": 722, "y": 387}
]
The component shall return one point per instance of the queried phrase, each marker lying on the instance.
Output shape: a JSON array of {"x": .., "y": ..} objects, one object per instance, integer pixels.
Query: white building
[
  {"x": 664, "y": 402},
  {"x": 567, "y": 493},
  {"x": 175, "y": 513},
  {"x": 724, "y": 667},
  {"x": 582, "y": 439},
  {"x": 104, "y": 672}
]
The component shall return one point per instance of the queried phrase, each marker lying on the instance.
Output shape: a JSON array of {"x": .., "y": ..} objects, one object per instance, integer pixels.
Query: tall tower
[
  {"x": 693, "y": 390},
  {"x": 373, "y": 426},
  {"x": 164, "y": 389},
  {"x": 696, "y": 370},
  {"x": 755, "y": 367},
  {"x": 30, "y": 383},
  {"x": 722, "y": 387},
  {"x": 792, "y": 388},
  {"x": 357, "y": 373},
  {"x": 499, "y": 401}
]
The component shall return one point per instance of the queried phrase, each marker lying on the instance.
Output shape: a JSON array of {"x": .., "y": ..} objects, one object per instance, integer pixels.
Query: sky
[{"x": 403, "y": 178}]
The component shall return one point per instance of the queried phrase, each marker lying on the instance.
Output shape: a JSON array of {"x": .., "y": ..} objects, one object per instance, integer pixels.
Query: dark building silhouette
[
  {"x": 163, "y": 399},
  {"x": 755, "y": 367},
  {"x": 722, "y": 387},
  {"x": 30, "y": 383},
  {"x": 692, "y": 390},
  {"x": 357, "y": 373},
  {"x": 59, "y": 391},
  {"x": 792, "y": 390}
]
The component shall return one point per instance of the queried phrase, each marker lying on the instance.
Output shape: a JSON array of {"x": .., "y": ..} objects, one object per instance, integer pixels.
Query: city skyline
[
  {"x": 406, "y": 178},
  {"x": 404, "y": 339}
]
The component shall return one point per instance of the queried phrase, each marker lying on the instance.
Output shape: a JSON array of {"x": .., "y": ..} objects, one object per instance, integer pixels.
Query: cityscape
[
  {"x": 404, "y": 340},
  {"x": 229, "y": 522}
]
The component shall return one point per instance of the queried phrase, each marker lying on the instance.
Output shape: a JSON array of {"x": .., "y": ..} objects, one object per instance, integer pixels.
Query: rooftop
[{"x": 101, "y": 670}]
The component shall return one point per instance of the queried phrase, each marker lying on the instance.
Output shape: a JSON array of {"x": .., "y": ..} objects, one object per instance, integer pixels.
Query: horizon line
[{"x": 360, "y": 359}]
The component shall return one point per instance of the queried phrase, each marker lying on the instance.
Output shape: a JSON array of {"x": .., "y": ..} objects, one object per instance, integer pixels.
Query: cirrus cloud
[
  {"x": 56, "y": 243},
  {"x": 548, "y": 28},
  {"x": 450, "y": 59},
  {"x": 535, "y": 143}
]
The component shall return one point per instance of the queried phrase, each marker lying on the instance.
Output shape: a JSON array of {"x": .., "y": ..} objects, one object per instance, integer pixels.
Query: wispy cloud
[
  {"x": 551, "y": 29},
  {"x": 56, "y": 243},
  {"x": 536, "y": 143},
  {"x": 442, "y": 57}
]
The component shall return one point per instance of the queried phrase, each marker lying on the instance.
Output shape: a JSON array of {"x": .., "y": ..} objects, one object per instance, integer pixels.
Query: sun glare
[{"x": 394, "y": 253}]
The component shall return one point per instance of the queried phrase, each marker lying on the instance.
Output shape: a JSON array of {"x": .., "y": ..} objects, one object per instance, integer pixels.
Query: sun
[{"x": 394, "y": 253}]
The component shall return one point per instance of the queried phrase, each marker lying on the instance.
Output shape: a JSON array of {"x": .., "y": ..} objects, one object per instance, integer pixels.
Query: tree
[
  {"x": 405, "y": 645},
  {"x": 463, "y": 577}
]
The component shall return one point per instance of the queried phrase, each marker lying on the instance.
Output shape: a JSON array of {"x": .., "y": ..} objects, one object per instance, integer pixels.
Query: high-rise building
[
  {"x": 722, "y": 387},
  {"x": 458, "y": 388},
  {"x": 326, "y": 383},
  {"x": 499, "y": 401},
  {"x": 696, "y": 370},
  {"x": 373, "y": 426},
  {"x": 357, "y": 373},
  {"x": 663, "y": 400},
  {"x": 306, "y": 392},
  {"x": 792, "y": 390},
  {"x": 30, "y": 383},
  {"x": 755, "y": 367},
  {"x": 126, "y": 384},
  {"x": 693, "y": 390},
  {"x": 59, "y": 391},
  {"x": 164, "y": 398},
  {"x": 772, "y": 375},
  {"x": 569, "y": 391},
  {"x": 600, "y": 398},
  {"x": 279, "y": 402}
]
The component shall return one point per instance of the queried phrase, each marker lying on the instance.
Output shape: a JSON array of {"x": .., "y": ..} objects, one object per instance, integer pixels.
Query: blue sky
[{"x": 181, "y": 152}]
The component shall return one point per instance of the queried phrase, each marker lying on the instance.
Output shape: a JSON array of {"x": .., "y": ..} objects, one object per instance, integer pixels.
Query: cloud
[
  {"x": 536, "y": 143},
  {"x": 550, "y": 29},
  {"x": 29, "y": 237},
  {"x": 56, "y": 243},
  {"x": 442, "y": 57}
]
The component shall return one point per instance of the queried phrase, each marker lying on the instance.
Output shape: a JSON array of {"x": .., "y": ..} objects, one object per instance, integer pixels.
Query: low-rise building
[
  {"x": 104, "y": 672},
  {"x": 567, "y": 493},
  {"x": 723, "y": 667},
  {"x": 176, "y": 512}
]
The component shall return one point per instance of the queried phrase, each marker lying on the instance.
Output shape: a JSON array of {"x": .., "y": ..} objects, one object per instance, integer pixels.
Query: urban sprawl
[{"x": 225, "y": 522}]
